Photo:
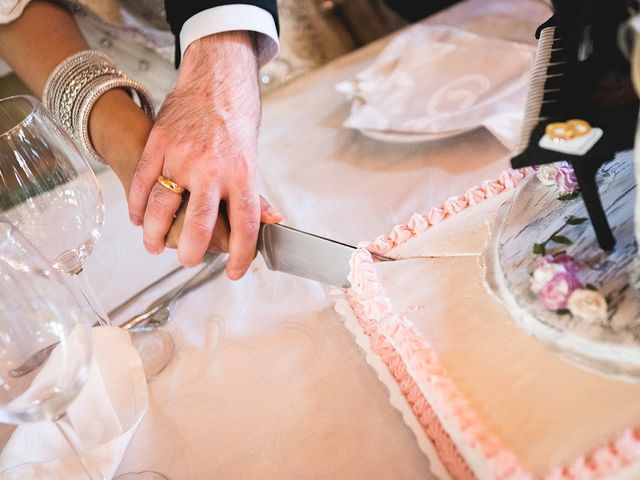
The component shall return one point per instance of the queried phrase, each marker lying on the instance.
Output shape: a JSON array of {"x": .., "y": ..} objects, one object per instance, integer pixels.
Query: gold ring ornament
[
  {"x": 563, "y": 131},
  {"x": 170, "y": 185},
  {"x": 581, "y": 127}
]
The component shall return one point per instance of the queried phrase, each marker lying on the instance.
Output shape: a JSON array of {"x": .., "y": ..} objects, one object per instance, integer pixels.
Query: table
[{"x": 267, "y": 383}]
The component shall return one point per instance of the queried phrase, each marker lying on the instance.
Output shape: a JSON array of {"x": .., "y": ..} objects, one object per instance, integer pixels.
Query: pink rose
[
  {"x": 556, "y": 292},
  {"x": 544, "y": 274},
  {"x": 566, "y": 179},
  {"x": 569, "y": 263}
]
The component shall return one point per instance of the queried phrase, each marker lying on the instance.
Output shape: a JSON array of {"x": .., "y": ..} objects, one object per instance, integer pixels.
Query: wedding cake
[{"x": 495, "y": 402}]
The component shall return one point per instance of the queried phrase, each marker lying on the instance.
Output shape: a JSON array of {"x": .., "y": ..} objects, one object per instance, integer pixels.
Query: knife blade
[{"x": 286, "y": 249}]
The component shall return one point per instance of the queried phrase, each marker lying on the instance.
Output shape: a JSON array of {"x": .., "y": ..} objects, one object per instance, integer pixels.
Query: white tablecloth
[{"x": 267, "y": 383}]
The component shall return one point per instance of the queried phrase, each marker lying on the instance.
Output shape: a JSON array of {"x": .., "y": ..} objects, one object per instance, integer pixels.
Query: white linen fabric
[
  {"x": 436, "y": 79},
  {"x": 11, "y": 9},
  {"x": 105, "y": 415}
]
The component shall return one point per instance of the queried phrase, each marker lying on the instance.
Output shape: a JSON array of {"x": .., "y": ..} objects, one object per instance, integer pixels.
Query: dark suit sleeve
[
  {"x": 179, "y": 11},
  {"x": 414, "y": 10}
]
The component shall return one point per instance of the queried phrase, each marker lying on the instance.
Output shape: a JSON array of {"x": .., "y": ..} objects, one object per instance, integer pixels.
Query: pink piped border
[{"x": 403, "y": 349}]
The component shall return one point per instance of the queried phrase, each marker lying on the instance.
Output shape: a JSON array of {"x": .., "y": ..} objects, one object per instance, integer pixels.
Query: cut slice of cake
[{"x": 494, "y": 401}]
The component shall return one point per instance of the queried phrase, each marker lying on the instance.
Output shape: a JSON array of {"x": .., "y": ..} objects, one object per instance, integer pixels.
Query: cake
[{"x": 493, "y": 401}]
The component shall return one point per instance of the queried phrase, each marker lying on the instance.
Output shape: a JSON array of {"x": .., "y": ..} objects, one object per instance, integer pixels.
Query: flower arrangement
[
  {"x": 556, "y": 281},
  {"x": 560, "y": 175}
]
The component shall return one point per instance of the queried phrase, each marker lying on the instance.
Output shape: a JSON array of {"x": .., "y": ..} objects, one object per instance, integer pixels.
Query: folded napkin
[
  {"x": 105, "y": 415},
  {"x": 435, "y": 79}
]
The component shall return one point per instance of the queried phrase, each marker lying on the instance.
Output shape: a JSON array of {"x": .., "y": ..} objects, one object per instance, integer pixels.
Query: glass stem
[
  {"x": 70, "y": 435},
  {"x": 90, "y": 296}
]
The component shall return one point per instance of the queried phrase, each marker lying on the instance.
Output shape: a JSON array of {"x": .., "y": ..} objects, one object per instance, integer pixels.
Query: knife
[{"x": 286, "y": 249}]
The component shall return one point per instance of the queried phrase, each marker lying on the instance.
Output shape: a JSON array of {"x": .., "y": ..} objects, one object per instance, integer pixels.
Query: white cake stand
[{"x": 534, "y": 213}]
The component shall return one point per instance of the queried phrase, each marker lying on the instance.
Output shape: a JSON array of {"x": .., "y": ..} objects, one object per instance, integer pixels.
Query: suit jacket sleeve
[{"x": 414, "y": 10}]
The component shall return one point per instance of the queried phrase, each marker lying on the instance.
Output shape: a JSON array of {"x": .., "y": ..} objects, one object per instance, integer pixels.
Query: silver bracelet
[
  {"x": 98, "y": 88},
  {"x": 75, "y": 85},
  {"x": 63, "y": 68},
  {"x": 68, "y": 77}
]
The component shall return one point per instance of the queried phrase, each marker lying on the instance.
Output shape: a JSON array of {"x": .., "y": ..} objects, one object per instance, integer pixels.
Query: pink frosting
[
  {"x": 492, "y": 188},
  {"x": 511, "y": 178},
  {"x": 400, "y": 234},
  {"x": 402, "y": 347},
  {"x": 455, "y": 205},
  {"x": 436, "y": 215},
  {"x": 475, "y": 195},
  {"x": 381, "y": 245},
  {"x": 432, "y": 426},
  {"x": 417, "y": 223}
]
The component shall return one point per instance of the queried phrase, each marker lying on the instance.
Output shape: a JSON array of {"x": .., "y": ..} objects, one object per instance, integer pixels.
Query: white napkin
[
  {"x": 105, "y": 415},
  {"x": 434, "y": 79}
]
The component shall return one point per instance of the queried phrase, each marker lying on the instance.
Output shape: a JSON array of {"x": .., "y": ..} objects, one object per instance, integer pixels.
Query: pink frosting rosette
[
  {"x": 436, "y": 215},
  {"x": 417, "y": 223},
  {"x": 454, "y": 205},
  {"x": 492, "y": 188},
  {"x": 475, "y": 195}
]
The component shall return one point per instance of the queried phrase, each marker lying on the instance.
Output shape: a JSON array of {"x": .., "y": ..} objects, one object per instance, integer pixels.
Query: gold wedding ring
[
  {"x": 563, "y": 131},
  {"x": 170, "y": 185},
  {"x": 581, "y": 127}
]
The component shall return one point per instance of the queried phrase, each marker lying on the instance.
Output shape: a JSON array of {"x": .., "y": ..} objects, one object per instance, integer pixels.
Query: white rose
[
  {"x": 547, "y": 174},
  {"x": 543, "y": 275},
  {"x": 588, "y": 305}
]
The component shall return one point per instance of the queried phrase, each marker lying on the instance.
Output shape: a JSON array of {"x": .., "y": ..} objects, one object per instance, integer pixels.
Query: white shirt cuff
[{"x": 228, "y": 18}]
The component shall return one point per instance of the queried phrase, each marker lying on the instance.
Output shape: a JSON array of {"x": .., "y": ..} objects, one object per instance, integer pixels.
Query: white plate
[{"x": 402, "y": 137}]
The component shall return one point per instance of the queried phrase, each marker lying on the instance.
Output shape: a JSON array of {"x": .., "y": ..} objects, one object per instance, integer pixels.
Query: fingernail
[
  {"x": 273, "y": 214},
  {"x": 135, "y": 220}
]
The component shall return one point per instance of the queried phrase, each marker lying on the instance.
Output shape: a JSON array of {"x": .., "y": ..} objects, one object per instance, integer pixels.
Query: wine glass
[
  {"x": 49, "y": 192},
  {"x": 37, "y": 309}
]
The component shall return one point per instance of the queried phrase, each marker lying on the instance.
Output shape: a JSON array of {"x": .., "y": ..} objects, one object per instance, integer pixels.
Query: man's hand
[{"x": 205, "y": 140}]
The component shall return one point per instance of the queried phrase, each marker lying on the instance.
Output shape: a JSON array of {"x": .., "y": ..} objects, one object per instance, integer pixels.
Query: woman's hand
[{"x": 205, "y": 140}]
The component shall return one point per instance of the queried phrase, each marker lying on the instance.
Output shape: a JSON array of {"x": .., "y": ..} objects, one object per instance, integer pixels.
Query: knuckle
[
  {"x": 157, "y": 206},
  {"x": 249, "y": 228},
  {"x": 244, "y": 169},
  {"x": 202, "y": 218},
  {"x": 199, "y": 229}
]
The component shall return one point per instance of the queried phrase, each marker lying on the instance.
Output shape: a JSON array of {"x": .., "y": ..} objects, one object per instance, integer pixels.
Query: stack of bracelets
[{"x": 77, "y": 83}]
